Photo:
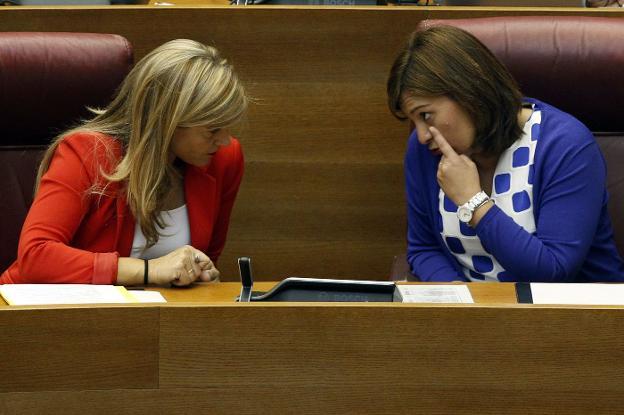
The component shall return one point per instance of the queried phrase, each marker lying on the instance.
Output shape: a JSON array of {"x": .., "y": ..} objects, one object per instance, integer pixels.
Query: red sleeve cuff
[{"x": 105, "y": 268}]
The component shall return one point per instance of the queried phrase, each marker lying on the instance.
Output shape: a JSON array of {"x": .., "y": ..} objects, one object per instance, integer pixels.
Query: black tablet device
[{"x": 315, "y": 289}]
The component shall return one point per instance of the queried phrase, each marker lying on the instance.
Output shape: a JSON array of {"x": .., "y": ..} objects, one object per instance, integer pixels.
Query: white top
[
  {"x": 175, "y": 234},
  {"x": 512, "y": 191}
]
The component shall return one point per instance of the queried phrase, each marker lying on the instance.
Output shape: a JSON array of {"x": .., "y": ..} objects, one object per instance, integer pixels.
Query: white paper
[
  {"x": 147, "y": 296},
  {"x": 42, "y": 294},
  {"x": 435, "y": 294},
  {"x": 577, "y": 293}
]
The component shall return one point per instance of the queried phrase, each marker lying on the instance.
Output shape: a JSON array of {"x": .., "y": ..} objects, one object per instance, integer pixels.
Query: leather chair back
[
  {"x": 47, "y": 80},
  {"x": 572, "y": 62}
]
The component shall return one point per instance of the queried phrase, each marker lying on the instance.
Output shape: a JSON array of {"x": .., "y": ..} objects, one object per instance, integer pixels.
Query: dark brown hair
[{"x": 445, "y": 60}]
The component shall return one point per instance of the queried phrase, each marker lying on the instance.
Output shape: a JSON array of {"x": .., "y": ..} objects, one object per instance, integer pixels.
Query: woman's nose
[
  {"x": 223, "y": 137},
  {"x": 422, "y": 129}
]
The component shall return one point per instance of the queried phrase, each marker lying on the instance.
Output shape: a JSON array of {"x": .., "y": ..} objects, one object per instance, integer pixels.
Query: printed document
[{"x": 435, "y": 294}]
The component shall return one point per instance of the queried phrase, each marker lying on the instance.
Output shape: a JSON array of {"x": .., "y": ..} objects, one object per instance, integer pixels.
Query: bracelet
[{"x": 145, "y": 272}]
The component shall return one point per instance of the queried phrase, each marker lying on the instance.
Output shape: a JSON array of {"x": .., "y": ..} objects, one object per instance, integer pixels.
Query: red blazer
[{"x": 74, "y": 236}]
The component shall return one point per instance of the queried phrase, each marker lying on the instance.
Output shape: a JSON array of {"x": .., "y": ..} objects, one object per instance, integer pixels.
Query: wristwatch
[{"x": 465, "y": 211}]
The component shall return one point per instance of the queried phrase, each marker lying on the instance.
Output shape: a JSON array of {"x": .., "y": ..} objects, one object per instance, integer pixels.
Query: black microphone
[{"x": 244, "y": 270}]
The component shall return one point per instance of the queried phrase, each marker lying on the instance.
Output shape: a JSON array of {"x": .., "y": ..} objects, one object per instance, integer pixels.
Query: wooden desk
[
  {"x": 169, "y": 3},
  {"x": 202, "y": 353},
  {"x": 486, "y": 293}
]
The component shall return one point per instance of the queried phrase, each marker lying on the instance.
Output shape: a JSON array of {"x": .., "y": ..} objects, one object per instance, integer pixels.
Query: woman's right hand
[
  {"x": 457, "y": 175},
  {"x": 181, "y": 267}
]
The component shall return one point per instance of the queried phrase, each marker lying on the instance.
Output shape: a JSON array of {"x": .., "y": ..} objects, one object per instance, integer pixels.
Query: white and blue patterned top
[{"x": 512, "y": 191}]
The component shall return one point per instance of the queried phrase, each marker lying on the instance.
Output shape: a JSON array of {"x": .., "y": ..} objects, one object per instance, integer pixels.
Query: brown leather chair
[
  {"x": 46, "y": 82},
  {"x": 573, "y": 63}
]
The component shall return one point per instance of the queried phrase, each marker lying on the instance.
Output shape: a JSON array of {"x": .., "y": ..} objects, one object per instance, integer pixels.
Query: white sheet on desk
[
  {"x": 435, "y": 293},
  {"x": 577, "y": 293},
  {"x": 148, "y": 296},
  {"x": 42, "y": 294}
]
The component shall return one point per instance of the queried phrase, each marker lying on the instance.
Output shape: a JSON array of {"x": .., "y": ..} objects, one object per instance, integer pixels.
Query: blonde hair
[{"x": 182, "y": 83}]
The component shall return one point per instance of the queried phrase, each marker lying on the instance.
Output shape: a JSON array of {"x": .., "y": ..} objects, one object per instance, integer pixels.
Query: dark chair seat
[{"x": 46, "y": 82}]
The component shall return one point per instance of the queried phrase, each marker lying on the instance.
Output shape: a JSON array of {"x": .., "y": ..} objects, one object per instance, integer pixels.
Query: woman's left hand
[{"x": 457, "y": 174}]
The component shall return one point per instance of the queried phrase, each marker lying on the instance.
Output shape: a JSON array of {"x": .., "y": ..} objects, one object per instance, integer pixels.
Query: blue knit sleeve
[
  {"x": 427, "y": 258},
  {"x": 568, "y": 196}
]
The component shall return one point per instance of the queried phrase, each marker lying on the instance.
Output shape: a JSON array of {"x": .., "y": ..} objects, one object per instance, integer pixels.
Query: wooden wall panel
[
  {"x": 320, "y": 219},
  {"x": 323, "y": 194}
]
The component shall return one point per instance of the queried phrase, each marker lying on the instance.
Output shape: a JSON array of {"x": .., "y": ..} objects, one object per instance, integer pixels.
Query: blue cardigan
[{"x": 574, "y": 238}]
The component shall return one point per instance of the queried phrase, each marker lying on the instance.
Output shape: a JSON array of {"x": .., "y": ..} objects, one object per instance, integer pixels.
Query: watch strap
[
  {"x": 465, "y": 211},
  {"x": 478, "y": 200}
]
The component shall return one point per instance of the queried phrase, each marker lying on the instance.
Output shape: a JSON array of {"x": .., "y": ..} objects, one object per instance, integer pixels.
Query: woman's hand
[
  {"x": 457, "y": 174},
  {"x": 182, "y": 267},
  {"x": 208, "y": 271}
]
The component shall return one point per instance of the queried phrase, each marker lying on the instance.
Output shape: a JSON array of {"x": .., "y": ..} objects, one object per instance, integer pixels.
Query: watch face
[{"x": 464, "y": 214}]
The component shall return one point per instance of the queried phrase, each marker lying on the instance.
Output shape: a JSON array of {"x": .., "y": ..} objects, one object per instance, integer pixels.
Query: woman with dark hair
[{"x": 499, "y": 187}]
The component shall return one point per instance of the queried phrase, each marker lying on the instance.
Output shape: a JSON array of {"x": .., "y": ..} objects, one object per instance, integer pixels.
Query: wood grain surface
[
  {"x": 47, "y": 349},
  {"x": 203, "y": 353}
]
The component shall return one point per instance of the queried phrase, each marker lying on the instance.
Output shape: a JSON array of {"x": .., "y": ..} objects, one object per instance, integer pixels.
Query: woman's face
[
  {"x": 197, "y": 145},
  {"x": 444, "y": 114}
]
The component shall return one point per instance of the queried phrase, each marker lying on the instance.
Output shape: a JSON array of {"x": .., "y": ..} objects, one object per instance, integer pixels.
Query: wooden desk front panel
[
  {"x": 368, "y": 359},
  {"x": 221, "y": 357},
  {"x": 55, "y": 349},
  {"x": 323, "y": 190}
]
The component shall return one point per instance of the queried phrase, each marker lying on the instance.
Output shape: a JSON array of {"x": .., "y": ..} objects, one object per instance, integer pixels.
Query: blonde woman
[{"x": 142, "y": 192}]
